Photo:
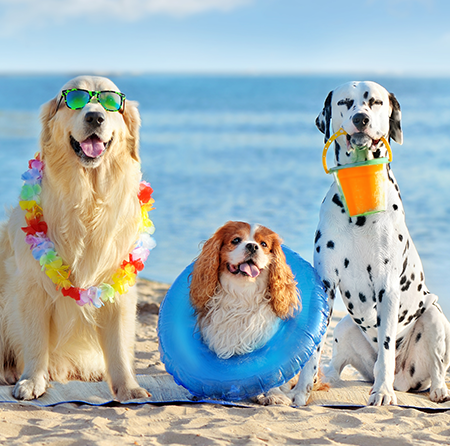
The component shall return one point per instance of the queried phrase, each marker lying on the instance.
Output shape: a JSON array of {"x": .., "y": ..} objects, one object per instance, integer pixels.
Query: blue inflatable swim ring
[{"x": 194, "y": 366}]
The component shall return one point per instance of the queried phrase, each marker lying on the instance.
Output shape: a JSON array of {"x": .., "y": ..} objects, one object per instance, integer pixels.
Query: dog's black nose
[
  {"x": 360, "y": 121},
  {"x": 251, "y": 247},
  {"x": 94, "y": 118}
]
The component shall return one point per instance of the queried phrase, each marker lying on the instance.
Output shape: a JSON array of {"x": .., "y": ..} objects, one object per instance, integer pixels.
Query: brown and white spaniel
[{"x": 241, "y": 284}]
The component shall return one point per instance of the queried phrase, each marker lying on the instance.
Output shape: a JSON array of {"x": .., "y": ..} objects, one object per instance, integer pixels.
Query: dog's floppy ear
[
  {"x": 284, "y": 296},
  {"x": 48, "y": 111},
  {"x": 395, "y": 128},
  {"x": 323, "y": 121},
  {"x": 205, "y": 275},
  {"x": 133, "y": 122}
]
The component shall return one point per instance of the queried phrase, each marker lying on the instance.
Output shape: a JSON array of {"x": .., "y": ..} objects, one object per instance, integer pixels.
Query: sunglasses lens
[
  {"x": 77, "y": 99},
  {"x": 110, "y": 100}
]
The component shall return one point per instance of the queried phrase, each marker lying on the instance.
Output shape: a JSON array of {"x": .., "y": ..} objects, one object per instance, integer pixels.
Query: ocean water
[{"x": 219, "y": 148}]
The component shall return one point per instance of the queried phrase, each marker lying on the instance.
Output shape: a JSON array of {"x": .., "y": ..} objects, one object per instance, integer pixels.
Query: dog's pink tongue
[
  {"x": 92, "y": 147},
  {"x": 249, "y": 269}
]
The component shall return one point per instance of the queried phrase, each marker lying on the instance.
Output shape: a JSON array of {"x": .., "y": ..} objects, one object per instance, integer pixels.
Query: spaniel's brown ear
[
  {"x": 48, "y": 111},
  {"x": 284, "y": 295},
  {"x": 133, "y": 122},
  {"x": 205, "y": 275}
]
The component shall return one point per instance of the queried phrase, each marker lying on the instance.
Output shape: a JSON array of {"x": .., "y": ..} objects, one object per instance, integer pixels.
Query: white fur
[
  {"x": 395, "y": 333},
  {"x": 239, "y": 318}
]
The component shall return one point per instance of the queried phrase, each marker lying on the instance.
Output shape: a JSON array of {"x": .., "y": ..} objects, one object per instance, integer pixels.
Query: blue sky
[{"x": 246, "y": 36}]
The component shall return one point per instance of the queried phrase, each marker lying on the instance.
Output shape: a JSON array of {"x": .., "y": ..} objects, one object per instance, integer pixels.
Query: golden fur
[{"x": 93, "y": 213}]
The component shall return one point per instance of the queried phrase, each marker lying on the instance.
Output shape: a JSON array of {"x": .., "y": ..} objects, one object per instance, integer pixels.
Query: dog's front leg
[
  {"x": 302, "y": 391},
  {"x": 382, "y": 392},
  {"x": 35, "y": 319},
  {"x": 117, "y": 337}
]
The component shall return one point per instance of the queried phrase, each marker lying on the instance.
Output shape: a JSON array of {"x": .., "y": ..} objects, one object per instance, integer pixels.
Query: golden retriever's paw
[
  {"x": 29, "y": 389},
  {"x": 125, "y": 394}
]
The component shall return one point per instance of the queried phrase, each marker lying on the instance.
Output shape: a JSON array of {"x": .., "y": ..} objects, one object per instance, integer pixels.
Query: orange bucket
[{"x": 362, "y": 185}]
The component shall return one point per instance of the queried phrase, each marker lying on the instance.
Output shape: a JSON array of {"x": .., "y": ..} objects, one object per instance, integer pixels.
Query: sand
[{"x": 209, "y": 424}]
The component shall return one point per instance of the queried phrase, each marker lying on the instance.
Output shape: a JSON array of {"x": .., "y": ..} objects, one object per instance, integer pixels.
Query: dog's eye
[
  {"x": 347, "y": 102},
  {"x": 264, "y": 244},
  {"x": 373, "y": 102},
  {"x": 236, "y": 241}
]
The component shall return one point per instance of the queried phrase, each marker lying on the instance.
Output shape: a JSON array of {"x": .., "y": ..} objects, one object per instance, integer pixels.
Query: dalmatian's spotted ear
[
  {"x": 395, "y": 129},
  {"x": 323, "y": 121}
]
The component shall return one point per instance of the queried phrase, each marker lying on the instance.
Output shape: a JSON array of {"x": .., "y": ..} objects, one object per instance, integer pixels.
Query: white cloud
[{"x": 18, "y": 14}]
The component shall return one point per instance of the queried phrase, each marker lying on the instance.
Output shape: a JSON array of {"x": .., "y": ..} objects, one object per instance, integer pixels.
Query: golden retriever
[{"x": 89, "y": 200}]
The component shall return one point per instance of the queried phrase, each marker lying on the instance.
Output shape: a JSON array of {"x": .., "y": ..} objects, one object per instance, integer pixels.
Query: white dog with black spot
[{"x": 395, "y": 333}]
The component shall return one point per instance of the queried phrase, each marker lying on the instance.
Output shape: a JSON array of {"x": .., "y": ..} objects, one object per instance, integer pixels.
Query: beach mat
[{"x": 343, "y": 394}]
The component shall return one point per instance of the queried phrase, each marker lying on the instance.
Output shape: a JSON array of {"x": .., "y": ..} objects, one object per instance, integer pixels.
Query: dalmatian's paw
[
  {"x": 384, "y": 396},
  {"x": 300, "y": 399},
  {"x": 440, "y": 394},
  {"x": 330, "y": 374}
]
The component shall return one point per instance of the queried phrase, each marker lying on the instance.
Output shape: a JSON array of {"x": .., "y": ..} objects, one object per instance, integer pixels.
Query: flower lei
[{"x": 43, "y": 248}]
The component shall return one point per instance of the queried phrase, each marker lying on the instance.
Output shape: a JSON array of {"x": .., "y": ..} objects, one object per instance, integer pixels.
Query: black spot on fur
[
  {"x": 318, "y": 235},
  {"x": 402, "y": 280},
  {"x": 400, "y": 237},
  {"x": 380, "y": 295},
  {"x": 318, "y": 249},
  {"x": 348, "y": 295},
  {"x": 416, "y": 387},
  {"x": 413, "y": 276},
  {"x": 337, "y": 200},
  {"x": 350, "y": 306},
  {"x": 374, "y": 339},
  {"x": 337, "y": 149},
  {"x": 419, "y": 335},
  {"x": 327, "y": 285},
  {"x": 335, "y": 340},
  {"x": 357, "y": 321},
  {"x": 387, "y": 342},
  {"x": 407, "y": 285},
  {"x": 398, "y": 343},
  {"x": 395, "y": 207},
  {"x": 402, "y": 317},
  {"x": 360, "y": 221},
  {"x": 369, "y": 270},
  {"x": 386, "y": 261},
  {"x": 330, "y": 244},
  {"x": 421, "y": 304},
  {"x": 378, "y": 321},
  {"x": 346, "y": 262},
  {"x": 366, "y": 94},
  {"x": 412, "y": 370},
  {"x": 362, "y": 298},
  {"x": 405, "y": 264}
]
